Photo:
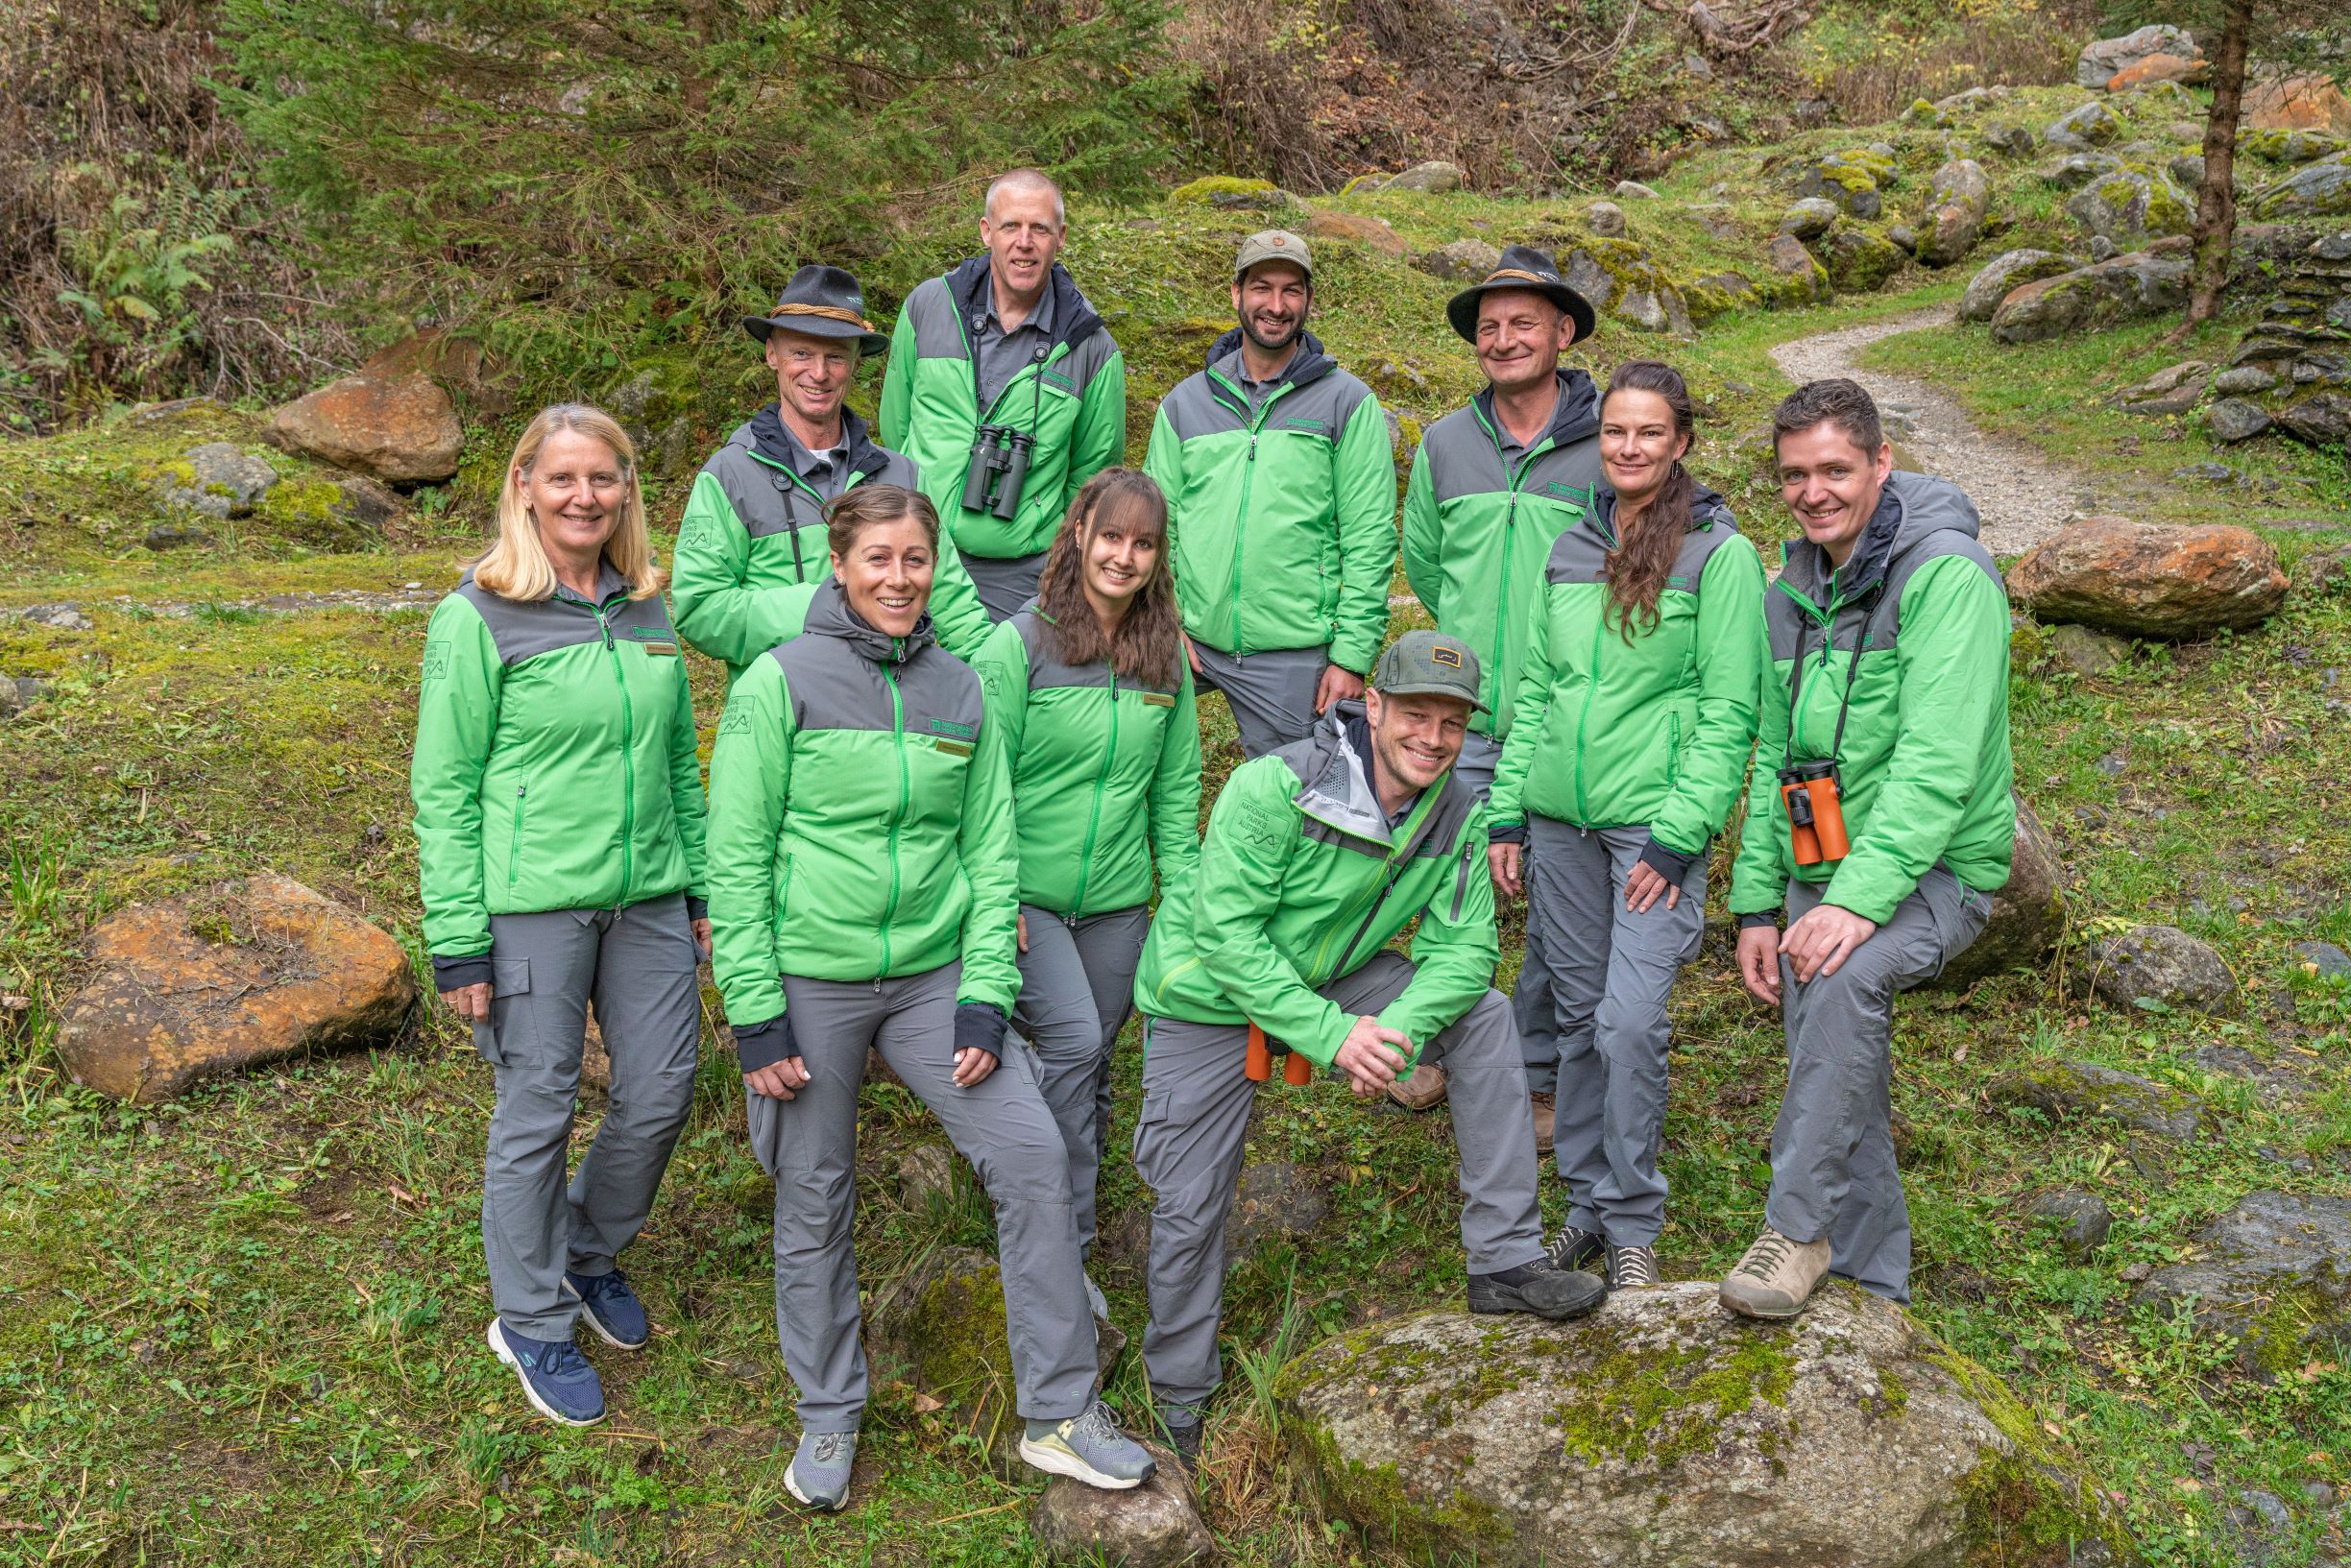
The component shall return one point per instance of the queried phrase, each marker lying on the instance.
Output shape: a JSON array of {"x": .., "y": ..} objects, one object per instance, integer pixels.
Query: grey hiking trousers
[
  {"x": 1272, "y": 694},
  {"x": 1077, "y": 989},
  {"x": 637, "y": 964},
  {"x": 1004, "y": 582},
  {"x": 1610, "y": 972},
  {"x": 809, "y": 1144},
  {"x": 1832, "y": 1147},
  {"x": 1539, "y": 1039},
  {"x": 1188, "y": 1145}
]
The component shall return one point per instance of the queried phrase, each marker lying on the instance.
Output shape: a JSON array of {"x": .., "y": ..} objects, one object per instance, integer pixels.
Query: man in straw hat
[
  {"x": 1493, "y": 485},
  {"x": 1281, "y": 507},
  {"x": 751, "y": 550}
]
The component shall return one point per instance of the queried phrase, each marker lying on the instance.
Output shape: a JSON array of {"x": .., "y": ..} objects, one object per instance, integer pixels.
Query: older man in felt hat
[
  {"x": 1493, "y": 485},
  {"x": 751, "y": 549},
  {"x": 1281, "y": 507}
]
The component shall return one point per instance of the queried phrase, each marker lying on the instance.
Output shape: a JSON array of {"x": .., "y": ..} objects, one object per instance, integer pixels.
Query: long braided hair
[{"x": 1644, "y": 554}]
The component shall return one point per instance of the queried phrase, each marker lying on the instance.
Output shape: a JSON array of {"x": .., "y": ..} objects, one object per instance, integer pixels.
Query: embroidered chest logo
[
  {"x": 947, "y": 726},
  {"x": 1567, "y": 492},
  {"x": 1315, "y": 426}
]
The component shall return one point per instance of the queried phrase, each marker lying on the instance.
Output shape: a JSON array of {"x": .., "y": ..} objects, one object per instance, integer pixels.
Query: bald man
[{"x": 1003, "y": 386}]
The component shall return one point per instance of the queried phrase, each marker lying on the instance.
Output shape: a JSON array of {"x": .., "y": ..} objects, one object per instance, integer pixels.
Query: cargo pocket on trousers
[
  {"x": 1151, "y": 1129},
  {"x": 509, "y": 978}
]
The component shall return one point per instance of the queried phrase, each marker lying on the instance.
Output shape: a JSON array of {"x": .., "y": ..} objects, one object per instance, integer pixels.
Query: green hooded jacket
[
  {"x": 1106, "y": 767},
  {"x": 1926, "y": 774},
  {"x": 751, "y": 548},
  {"x": 1300, "y": 880},
  {"x": 1655, "y": 731},
  {"x": 1282, "y": 520},
  {"x": 555, "y": 764},
  {"x": 1075, "y": 402},
  {"x": 1477, "y": 529},
  {"x": 860, "y": 825}
]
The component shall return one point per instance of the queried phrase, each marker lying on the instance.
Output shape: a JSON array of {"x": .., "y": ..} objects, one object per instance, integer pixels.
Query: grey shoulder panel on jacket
[
  {"x": 523, "y": 629},
  {"x": 931, "y": 309}
]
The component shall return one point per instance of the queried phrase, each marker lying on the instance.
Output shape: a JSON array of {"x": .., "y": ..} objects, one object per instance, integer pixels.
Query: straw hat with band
[
  {"x": 821, "y": 302},
  {"x": 1522, "y": 267}
]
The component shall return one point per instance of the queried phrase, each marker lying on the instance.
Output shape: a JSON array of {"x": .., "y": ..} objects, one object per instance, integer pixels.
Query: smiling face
[
  {"x": 1520, "y": 336},
  {"x": 1023, "y": 232},
  {"x": 1639, "y": 444},
  {"x": 886, "y": 576},
  {"x": 576, "y": 490},
  {"x": 1118, "y": 551},
  {"x": 813, "y": 373},
  {"x": 1416, "y": 737},
  {"x": 1832, "y": 485},
  {"x": 1272, "y": 302}
]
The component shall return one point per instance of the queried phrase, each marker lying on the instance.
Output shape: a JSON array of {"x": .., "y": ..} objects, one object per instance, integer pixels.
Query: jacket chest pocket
[{"x": 936, "y": 766}]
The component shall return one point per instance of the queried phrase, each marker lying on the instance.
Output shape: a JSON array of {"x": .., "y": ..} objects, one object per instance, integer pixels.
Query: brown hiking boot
[
  {"x": 1422, "y": 1089},
  {"x": 1776, "y": 1277},
  {"x": 1547, "y": 1114}
]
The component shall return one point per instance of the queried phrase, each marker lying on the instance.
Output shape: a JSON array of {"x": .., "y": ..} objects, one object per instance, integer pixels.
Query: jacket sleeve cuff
[
  {"x": 764, "y": 1045},
  {"x": 1506, "y": 832},
  {"x": 1671, "y": 864},
  {"x": 1758, "y": 917},
  {"x": 455, "y": 974},
  {"x": 979, "y": 1027},
  {"x": 696, "y": 908}
]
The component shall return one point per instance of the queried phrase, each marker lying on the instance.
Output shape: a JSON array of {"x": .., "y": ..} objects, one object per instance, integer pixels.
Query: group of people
[{"x": 953, "y": 813}]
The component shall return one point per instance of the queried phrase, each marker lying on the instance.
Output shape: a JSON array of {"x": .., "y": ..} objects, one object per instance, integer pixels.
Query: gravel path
[
  {"x": 2023, "y": 496},
  {"x": 67, "y": 615}
]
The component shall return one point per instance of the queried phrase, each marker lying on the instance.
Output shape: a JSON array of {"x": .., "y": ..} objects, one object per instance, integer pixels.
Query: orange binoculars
[
  {"x": 1816, "y": 820},
  {"x": 1296, "y": 1069}
]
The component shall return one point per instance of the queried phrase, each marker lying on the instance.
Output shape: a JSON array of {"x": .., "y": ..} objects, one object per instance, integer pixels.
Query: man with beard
[
  {"x": 751, "y": 548},
  {"x": 1316, "y": 858},
  {"x": 1493, "y": 484},
  {"x": 1281, "y": 507}
]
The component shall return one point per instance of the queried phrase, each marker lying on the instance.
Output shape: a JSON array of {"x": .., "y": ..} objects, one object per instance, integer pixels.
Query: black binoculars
[{"x": 999, "y": 467}]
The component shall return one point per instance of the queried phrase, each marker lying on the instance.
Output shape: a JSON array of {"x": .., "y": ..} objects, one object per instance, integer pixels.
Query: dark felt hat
[
  {"x": 821, "y": 302},
  {"x": 1522, "y": 267}
]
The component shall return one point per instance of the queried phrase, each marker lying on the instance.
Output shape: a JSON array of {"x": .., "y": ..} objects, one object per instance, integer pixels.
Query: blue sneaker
[
  {"x": 556, "y": 1378},
  {"x": 614, "y": 1311}
]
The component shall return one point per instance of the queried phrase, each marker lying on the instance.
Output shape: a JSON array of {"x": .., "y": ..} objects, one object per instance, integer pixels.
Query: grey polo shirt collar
[
  {"x": 1001, "y": 354},
  {"x": 1512, "y": 448}
]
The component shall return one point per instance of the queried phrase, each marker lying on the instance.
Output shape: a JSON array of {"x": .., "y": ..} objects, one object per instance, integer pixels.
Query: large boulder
[
  {"x": 2129, "y": 206},
  {"x": 1372, "y": 233},
  {"x": 2150, "y": 579},
  {"x": 2063, "y": 1090},
  {"x": 2092, "y": 124},
  {"x": 2323, "y": 419},
  {"x": 1801, "y": 278},
  {"x": 2161, "y": 70},
  {"x": 1859, "y": 258},
  {"x": 2002, "y": 276},
  {"x": 1156, "y": 1524},
  {"x": 2315, "y": 190},
  {"x": 1436, "y": 176},
  {"x": 2162, "y": 965},
  {"x": 2125, "y": 288},
  {"x": 1461, "y": 261},
  {"x": 400, "y": 428},
  {"x": 1961, "y": 198},
  {"x": 1853, "y": 179},
  {"x": 2102, "y": 61},
  {"x": 1663, "y": 1431},
  {"x": 241, "y": 975},
  {"x": 2275, "y": 1273},
  {"x": 218, "y": 479},
  {"x": 2028, "y": 914},
  {"x": 2304, "y": 102}
]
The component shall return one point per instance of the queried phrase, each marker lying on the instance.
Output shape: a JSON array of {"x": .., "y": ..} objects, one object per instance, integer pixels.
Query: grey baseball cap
[
  {"x": 1273, "y": 245},
  {"x": 1428, "y": 664}
]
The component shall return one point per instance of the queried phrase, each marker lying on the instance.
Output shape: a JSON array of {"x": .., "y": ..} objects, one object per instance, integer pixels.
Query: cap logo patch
[{"x": 1442, "y": 654}]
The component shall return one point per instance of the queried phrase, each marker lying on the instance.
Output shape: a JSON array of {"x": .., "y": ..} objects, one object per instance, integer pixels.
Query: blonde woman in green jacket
[
  {"x": 862, "y": 899},
  {"x": 1634, "y": 718},
  {"x": 559, "y": 839},
  {"x": 1089, "y": 698}
]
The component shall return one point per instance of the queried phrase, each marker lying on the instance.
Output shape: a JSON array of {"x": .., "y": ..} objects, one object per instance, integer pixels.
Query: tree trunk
[{"x": 2216, "y": 217}]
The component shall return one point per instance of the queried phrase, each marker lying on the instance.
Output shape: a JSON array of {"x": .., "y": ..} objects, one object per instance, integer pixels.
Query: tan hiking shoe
[
  {"x": 1546, "y": 1115},
  {"x": 1420, "y": 1089},
  {"x": 1776, "y": 1277}
]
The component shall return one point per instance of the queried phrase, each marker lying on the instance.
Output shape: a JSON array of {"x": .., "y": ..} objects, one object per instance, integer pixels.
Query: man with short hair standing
[
  {"x": 1005, "y": 387},
  {"x": 1316, "y": 858},
  {"x": 1493, "y": 485},
  {"x": 751, "y": 548},
  {"x": 1281, "y": 502},
  {"x": 1879, "y": 817}
]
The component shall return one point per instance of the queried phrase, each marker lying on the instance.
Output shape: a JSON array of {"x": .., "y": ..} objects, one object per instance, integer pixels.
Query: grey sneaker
[
  {"x": 819, "y": 1472},
  {"x": 1088, "y": 1448},
  {"x": 1574, "y": 1248},
  {"x": 1776, "y": 1277},
  {"x": 1633, "y": 1269}
]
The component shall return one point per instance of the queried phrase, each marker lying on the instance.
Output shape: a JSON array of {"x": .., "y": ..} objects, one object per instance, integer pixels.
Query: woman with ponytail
[{"x": 1629, "y": 739}]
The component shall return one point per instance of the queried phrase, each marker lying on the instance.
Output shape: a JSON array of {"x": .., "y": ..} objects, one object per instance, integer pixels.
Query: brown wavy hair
[
  {"x": 1644, "y": 554},
  {"x": 1147, "y": 645}
]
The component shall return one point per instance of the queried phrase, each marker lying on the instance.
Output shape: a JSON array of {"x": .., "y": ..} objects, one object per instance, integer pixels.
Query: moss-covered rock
[
  {"x": 1202, "y": 192},
  {"x": 2131, "y": 205},
  {"x": 1855, "y": 180},
  {"x": 1859, "y": 258},
  {"x": 2065, "y": 1089},
  {"x": 1664, "y": 1430},
  {"x": 2275, "y": 1273}
]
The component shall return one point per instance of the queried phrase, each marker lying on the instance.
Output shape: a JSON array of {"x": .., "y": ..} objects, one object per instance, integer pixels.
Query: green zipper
[
  {"x": 1509, "y": 526},
  {"x": 1673, "y": 748},
  {"x": 1249, "y": 475},
  {"x": 513, "y": 845},
  {"x": 1085, "y": 857},
  {"x": 1461, "y": 880},
  {"x": 628, "y": 758},
  {"x": 1592, "y": 690},
  {"x": 905, "y": 792}
]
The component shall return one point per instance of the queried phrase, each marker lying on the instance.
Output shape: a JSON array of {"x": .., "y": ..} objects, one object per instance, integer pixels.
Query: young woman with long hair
[
  {"x": 559, "y": 822},
  {"x": 1634, "y": 717},
  {"x": 1089, "y": 699}
]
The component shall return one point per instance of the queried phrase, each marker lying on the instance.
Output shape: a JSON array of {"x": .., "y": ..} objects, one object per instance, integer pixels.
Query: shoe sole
[
  {"x": 1495, "y": 1303},
  {"x": 792, "y": 1484},
  {"x": 1055, "y": 1462},
  {"x": 497, "y": 1345},
  {"x": 597, "y": 1323},
  {"x": 1748, "y": 1309}
]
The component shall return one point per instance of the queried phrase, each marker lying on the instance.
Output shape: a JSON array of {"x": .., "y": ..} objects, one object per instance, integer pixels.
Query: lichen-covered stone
[
  {"x": 2232, "y": 420},
  {"x": 1156, "y": 1524},
  {"x": 1460, "y": 261},
  {"x": 2129, "y": 206},
  {"x": 1433, "y": 175},
  {"x": 2323, "y": 419},
  {"x": 2078, "y": 169},
  {"x": 1606, "y": 219},
  {"x": 2274, "y": 1272},
  {"x": 1959, "y": 201},
  {"x": 2028, "y": 912},
  {"x": 2150, "y": 579},
  {"x": 1859, "y": 259},
  {"x": 2301, "y": 101},
  {"x": 2092, "y": 124},
  {"x": 2008, "y": 140},
  {"x": 1810, "y": 218},
  {"x": 2101, "y": 59},
  {"x": 2002, "y": 276},
  {"x": 2123, "y": 288},
  {"x": 1664, "y": 1432},
  {"x": 2080, "y": 1218},
  {"x": 399, "y": 429},
  {"x": 2162, "y": 965},
  {"x": 1798, "y": 276},
  {"x": 1853, "y": 179},
  {"x": 217, "y": 479},
  {"x": 2317, "y": 190},
  {"x": 2062, "y": 1089}
]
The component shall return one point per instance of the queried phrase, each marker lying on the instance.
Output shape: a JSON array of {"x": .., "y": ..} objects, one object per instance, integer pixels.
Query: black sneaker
[
  {"x": 1633, "y": 1269},
  {"x": 1578, "y": 1248},
  {"x": 1540, "y": 1287},
  {"x": 1182, "y": 1427}
]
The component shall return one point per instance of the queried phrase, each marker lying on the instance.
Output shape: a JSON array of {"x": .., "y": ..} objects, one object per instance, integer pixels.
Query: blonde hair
[{"x": 516, "y": 564}]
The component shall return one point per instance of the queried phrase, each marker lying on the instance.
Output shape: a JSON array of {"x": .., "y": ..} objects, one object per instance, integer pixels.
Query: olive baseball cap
[
  {"x": 1428, "y": 664},
  {"x": 1273, "y": 245}
]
